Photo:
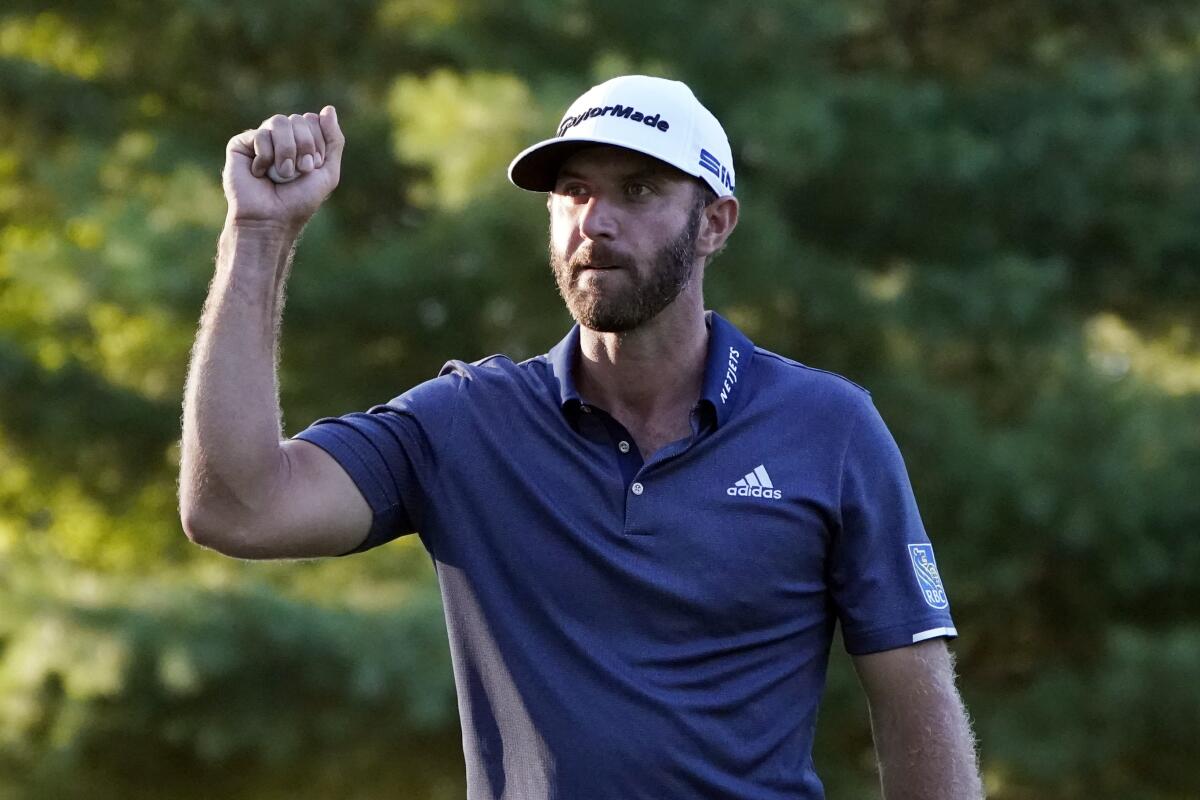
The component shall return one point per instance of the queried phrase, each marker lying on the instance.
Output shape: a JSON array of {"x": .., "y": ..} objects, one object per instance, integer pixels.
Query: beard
[{"x": 642, "y": 297}]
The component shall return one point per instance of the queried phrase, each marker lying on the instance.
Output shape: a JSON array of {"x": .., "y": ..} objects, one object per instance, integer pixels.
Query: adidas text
[
  {"x": 756, "y": 483},
  {"x": 754, "y": 491}
]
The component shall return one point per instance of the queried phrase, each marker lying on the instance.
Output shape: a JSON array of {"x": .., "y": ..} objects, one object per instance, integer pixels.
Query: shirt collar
[
  {"x": 563, "y": 357},
  {"x": 725, "y": 369}
]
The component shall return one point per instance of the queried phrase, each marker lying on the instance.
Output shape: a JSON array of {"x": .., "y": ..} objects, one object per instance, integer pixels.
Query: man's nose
[{"x": 597, "y": 219}]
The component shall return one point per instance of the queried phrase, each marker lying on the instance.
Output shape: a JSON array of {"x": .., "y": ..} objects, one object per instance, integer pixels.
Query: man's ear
[{"x": 720, "y": 218}]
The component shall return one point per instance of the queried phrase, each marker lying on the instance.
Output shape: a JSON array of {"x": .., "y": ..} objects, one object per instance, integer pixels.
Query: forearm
[
  {"x": 231, "y": 418},
  {"x": 926, "y": 749},
  {"x": 922, "y": 734}
]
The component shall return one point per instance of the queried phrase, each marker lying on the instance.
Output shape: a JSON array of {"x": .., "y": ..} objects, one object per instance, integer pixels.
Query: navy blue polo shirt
[{"x": 622, "y": 628}]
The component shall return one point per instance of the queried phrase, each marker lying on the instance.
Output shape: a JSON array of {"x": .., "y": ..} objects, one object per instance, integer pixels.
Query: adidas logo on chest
[{"x": 756, "y": 483}]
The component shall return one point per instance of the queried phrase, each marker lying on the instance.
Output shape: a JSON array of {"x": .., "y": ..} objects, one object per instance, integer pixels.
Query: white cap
[{"x": 655, "y": 116}]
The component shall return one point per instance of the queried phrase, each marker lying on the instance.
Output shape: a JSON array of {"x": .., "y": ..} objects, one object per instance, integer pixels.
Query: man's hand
[{"x": 303, "y": 149}]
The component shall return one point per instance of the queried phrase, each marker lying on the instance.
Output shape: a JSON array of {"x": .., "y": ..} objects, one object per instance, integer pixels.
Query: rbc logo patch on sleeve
[{"x": 927, "y": 575}]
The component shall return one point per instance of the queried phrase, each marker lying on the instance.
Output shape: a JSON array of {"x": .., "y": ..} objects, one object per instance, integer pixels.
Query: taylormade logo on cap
[
  {"x": 624, "y": 112},
  {"x": 658, "y": 117}
]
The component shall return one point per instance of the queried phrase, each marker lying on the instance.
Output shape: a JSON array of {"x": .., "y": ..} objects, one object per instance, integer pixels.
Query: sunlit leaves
[
  {"x": 1170, "y": 361},
  {"x": 50, "y": 41},
  {"x": 94, "y": 674},
  {"x": 463, "y": 128}
]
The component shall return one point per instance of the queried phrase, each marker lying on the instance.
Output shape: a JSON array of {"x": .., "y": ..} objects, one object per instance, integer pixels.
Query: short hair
[{"x": 702, "y": 196}]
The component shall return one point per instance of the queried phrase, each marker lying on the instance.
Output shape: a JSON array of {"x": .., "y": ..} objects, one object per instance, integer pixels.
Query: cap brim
[{"x": 536, "y": 167}]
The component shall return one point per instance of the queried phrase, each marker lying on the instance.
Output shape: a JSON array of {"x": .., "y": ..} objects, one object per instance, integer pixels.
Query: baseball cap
[{"x": 659, "y": 117}]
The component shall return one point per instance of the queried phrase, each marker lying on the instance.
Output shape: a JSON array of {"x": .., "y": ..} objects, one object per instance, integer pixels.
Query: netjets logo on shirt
[
  {"x": 731, "y": 375},
  {"x": 755, "y": 484}
]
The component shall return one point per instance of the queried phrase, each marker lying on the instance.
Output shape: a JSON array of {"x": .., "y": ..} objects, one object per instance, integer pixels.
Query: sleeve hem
[
  {"x": 353, "y": 463},
  {"x": 934, "y": 633},
  {"x": 347, "y": 456},
  {"x": 858, "y": 644}
]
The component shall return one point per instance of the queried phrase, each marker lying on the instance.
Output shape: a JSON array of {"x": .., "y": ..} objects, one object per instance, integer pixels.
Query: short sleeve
[
  {"x": 391, "y": 454},
  {"x": 884, "y": 580}
]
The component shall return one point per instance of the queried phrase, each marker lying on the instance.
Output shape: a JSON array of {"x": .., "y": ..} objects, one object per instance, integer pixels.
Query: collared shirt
[{"x": 622, "y": 628}]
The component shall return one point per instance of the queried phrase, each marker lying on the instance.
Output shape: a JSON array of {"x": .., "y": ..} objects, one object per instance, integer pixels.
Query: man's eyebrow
[
  {"x": 641, "y": 173},
  {"x": 566, "y": 174},
  {"x": 660, "y": 173}
]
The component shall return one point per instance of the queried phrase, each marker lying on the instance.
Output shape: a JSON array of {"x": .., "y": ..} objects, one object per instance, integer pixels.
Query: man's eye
[
  {"x": 637, "y": 190},
  {"x": 574, "y": 190}
]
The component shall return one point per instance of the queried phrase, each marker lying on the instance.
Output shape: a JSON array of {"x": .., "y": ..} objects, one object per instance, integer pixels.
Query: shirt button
[
  {"x": 623, "y": 446},
  {"x": 586, "y": 409},
  {"x": 637, "y": 488}
]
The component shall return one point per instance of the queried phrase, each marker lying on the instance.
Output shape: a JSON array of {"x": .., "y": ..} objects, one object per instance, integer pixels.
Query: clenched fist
[{"x": 303, "y": 150}]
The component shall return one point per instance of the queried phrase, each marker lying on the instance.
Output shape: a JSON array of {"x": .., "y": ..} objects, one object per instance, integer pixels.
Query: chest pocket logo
[{"x": 756, "y": 483}]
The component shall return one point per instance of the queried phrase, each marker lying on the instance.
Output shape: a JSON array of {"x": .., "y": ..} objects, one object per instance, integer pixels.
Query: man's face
[{"x": 623, "y": 230}]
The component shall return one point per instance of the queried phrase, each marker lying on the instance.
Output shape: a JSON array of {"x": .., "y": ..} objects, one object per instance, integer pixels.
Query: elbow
[
  {"x": 213, "y": 532},
  {"x": 214, "y": 518},
  {"x": 200, "y": 527}
]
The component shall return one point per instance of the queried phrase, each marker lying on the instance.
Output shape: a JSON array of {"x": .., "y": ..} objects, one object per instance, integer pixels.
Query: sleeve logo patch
[{"x": 927, "y": 575}]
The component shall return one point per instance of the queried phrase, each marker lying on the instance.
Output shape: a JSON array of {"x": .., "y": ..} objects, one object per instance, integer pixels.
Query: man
[{"x": 643, "y": 538}]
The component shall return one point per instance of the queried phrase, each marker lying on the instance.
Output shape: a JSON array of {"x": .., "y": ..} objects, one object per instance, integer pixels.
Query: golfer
[{"x": 643, "y": 538}]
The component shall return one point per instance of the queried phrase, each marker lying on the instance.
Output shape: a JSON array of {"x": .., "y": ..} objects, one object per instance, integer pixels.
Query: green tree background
[{"x": 986, "y": 212}]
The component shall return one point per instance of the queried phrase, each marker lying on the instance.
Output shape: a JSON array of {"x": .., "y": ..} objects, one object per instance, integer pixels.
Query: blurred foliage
[{"x": 986, "y": 212}]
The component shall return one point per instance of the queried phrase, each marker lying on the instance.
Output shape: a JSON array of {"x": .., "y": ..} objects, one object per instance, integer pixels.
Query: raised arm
[
  {"x": 243, "y": 490},
  {"x": 923, "y": 737}
]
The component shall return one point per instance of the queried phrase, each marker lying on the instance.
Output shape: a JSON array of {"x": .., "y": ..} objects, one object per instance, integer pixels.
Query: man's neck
[{"x": 649, "y": 375}]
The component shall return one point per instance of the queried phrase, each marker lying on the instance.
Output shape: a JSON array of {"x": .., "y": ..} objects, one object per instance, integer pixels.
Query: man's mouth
[
  {"x": 585, "y": 268},
  {"x": 597, "y": 261}
]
